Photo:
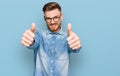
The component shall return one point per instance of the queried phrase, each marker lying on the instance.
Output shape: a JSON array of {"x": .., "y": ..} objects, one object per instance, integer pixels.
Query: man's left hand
[{"x": 73, "y": 40}]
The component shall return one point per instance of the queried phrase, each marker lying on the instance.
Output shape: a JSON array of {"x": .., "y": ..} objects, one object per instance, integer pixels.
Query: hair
[{"x": 51, "y": 6}]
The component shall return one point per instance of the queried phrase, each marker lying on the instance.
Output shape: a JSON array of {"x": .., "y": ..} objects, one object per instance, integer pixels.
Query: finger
[
  {"x": 26, "y": 40},
  {"x": 30, "y": 33},
  {"x": 24, "y": 43},
  {"x": 69, "y": 29},
  {"x": 75, "y": 44},
  {"x": 76, "y": 47},
  {"x": 28, "y": 37},
  {"x": 33, "y": 27},
  {"x": 72, "y": 41},
  {"x": 71, "y": 37}
]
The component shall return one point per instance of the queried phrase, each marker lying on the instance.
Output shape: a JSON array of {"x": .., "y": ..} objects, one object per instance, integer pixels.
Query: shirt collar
[{"x": 60, "y": 32}]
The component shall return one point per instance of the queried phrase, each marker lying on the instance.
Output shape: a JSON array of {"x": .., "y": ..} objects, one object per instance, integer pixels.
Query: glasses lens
[
  {"x": 48, "y": 19},
  {"x": 55, "y": 19}
]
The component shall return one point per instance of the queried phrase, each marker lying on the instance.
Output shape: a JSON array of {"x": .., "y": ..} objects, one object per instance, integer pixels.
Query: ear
[
  {"x": 62, "y": 16},
  {"x": 44, "y": 17}
]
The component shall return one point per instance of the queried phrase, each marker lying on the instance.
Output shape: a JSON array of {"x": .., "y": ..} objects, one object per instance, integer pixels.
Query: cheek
[
  {"x": 59, "y": 23},
  {"x": 48, "y": 24}
]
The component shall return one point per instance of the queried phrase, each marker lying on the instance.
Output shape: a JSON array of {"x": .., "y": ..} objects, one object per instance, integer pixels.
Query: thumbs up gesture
[
  {"x": 73, "y": 39},
  {"x": 28, "y": 36}
]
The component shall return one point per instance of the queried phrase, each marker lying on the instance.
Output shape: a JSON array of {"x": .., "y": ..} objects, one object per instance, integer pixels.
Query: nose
[{"x": 52, "y": 21}]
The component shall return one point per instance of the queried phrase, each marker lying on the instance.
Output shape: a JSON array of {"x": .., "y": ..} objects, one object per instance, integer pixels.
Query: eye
[
  {"x": 48, "y": 18},
  {"x": 56, "y": 18}
]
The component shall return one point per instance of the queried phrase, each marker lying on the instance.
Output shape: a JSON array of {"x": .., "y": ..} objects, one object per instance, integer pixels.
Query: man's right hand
[{"x": 28, "y": 36}]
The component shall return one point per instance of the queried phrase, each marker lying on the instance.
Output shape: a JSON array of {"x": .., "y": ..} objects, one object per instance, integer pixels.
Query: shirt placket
[{"x": 52, "y": 54}]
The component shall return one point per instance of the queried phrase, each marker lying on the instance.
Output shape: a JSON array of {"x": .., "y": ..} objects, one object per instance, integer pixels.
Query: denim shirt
[{"x": 51, "y": 53}]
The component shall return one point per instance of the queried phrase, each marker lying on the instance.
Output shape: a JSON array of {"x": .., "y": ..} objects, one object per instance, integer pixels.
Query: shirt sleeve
[{"x": 36, "y": 41}]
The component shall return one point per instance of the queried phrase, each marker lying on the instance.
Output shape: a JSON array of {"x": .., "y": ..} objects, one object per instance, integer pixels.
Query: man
[{"x": 51, "y": 47}]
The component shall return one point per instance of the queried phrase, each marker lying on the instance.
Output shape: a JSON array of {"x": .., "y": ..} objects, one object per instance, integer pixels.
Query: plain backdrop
[{"x": 96, "y": 22}]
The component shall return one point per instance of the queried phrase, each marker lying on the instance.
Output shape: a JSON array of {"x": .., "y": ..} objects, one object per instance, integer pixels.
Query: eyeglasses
[{"x": 55, "y": 19}]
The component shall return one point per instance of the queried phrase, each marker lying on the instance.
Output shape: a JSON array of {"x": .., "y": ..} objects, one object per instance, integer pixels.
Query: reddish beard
[
  {"x": 53, "y": 24},
  {"x": 57, "y": 27}
]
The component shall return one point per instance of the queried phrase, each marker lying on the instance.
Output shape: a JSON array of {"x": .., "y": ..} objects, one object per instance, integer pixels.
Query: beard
[{"x": 54, "y": 27}]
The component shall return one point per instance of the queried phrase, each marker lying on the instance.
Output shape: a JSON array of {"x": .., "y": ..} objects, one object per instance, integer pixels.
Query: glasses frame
[{"x": 55, "y": 19}]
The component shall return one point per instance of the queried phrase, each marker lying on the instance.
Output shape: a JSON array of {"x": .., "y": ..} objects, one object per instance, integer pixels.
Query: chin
[{"x": 53, "y": 30}]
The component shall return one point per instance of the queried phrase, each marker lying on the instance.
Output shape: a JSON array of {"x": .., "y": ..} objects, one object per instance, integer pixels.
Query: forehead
[{"x": 52, "y": 13}]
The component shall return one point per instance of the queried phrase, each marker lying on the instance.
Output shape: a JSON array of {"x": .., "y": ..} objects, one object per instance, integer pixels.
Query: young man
[{"x": 51, "y": 47}]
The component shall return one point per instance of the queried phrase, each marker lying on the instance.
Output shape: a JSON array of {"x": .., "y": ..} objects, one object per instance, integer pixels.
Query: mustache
[{"x": 53, "y": 24}]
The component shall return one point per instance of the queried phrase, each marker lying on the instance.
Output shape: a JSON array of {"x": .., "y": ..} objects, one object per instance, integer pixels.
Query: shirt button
[
  {"x": 52, "y": 51},
  {"x": 51, "y": 71},
  {"x": 52, "y": 42},
  {"x": 51, "y": 60}
]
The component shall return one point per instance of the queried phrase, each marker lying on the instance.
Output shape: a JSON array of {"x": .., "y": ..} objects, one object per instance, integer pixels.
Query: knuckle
[
  {"x": 23, "y": 38},
  {"x": 78, "y": 42},
  {"x": 26, "y": 31},
  {"x": 70, "y": 46},
  {"x": 22, "y": 42},
  {"x": 79, "y": 46},
  {"x": 69, "y": 43},
  {"x": 74, "y": 35},
  {"x": 77, "y": 38},
  {"x": 24, "y": 34},
  {"x": 33, "y": 35},
  {"x": 30, "y": 43},
  {"x": 32, "y": 39}
]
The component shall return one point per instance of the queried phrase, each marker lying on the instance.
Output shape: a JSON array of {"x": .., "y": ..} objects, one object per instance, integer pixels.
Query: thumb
[
  {"x": 69, "y": 29},
  {"x": 33, "y": 27}
]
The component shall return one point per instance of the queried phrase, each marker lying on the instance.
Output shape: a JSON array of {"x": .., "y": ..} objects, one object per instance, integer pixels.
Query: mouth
[
  {"x": 53, "y": 24},
  {"x": 53, "y": 27}
]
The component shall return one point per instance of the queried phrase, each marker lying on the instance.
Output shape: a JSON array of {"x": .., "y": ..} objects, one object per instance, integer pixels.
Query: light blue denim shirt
[{"x": 51, "y": 53}]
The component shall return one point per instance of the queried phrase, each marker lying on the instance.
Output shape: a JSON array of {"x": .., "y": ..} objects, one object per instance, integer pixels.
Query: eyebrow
[{"x": 53, "y": 17}]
